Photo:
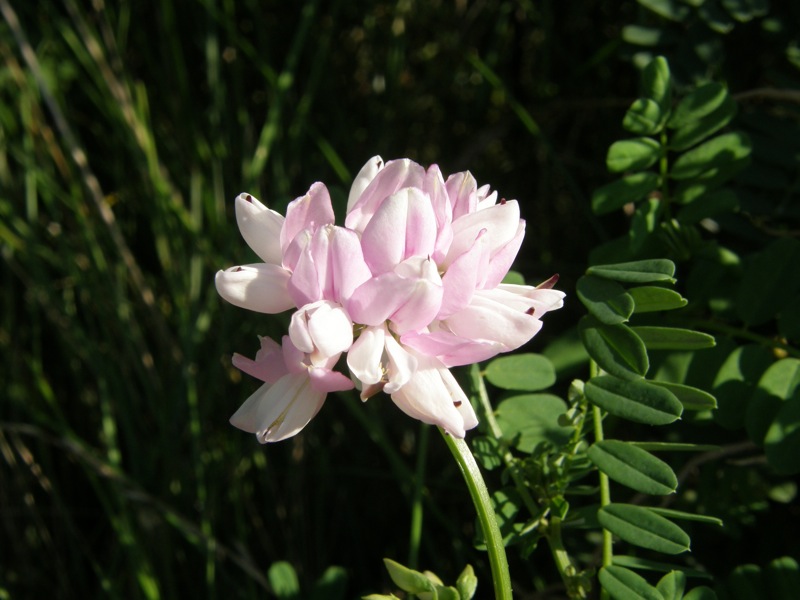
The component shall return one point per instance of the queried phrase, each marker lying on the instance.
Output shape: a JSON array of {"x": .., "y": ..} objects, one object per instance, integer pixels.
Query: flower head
[{"x": 410, "y": 286}]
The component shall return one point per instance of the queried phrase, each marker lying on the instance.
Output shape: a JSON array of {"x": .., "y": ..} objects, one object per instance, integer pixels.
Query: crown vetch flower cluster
[{"x": 410, "y": 286}]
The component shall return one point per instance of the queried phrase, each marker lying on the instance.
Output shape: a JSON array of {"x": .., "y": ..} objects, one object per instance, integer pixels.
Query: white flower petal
[
  {"x": 363, "y": 179},
  {"x": 260, "y": 287},
  {"x": 260, "y": 227}
]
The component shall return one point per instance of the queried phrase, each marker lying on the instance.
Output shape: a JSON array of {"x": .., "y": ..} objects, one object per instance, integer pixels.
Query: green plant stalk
[
  {"x": 501, "y": 578},
  {"x": 605, "y": 489},
  {"x": 415, "y": 535}
]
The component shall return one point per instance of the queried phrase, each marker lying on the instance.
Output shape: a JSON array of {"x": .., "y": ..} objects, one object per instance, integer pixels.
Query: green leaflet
[
  {"x": 649, "y": 298},
  {"x": 615, "y": 348},
  {"x": 716, "y": 152},
  {"x": 691, "y": 398},
  {"x": 644, "y": 117},
  {"x": 640, "y": 271},
  {"x": 632, "y": 154},
  {"x": 283, "y": 580},
  {"x": 779, "y": 383},
  {"x": 630, "y": 188},
  {"x": 526, "y": 372},
  {"x": 709, "y": 205},
  {"x": 769, "y": 282},
  {"x": 695, "y": 132},
  {"x": 407, "y": 579},
  {"x": 671, "y": 585},
  {"x": 700, "y": 102},
  {"x": 531, "y": 419},
  {"x": 633, "y": 467},
  {"x": 638, "y": 401},
  {"x": 624, "y": 584},
  {"x": 642, "y": 527},
  {"x": 657, "y": 79},
  {"x": 673, "y": 338},
  {"x": 607, "y": 300}
]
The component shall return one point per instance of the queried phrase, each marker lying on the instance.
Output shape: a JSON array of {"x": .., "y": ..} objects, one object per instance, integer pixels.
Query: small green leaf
[
  {"x": 674, "y": 446},
  {"x": 638, "y": 401},
  {"x": 467, "y": 583},
  {"x": 673, "y": 338},
  {"x": 645, "y": 36},
  {"x": 624, "y": 584},
  {"x": 633, "y": 467},
  {"x": 779, "y": 383},
  {"x": 645, "y": 220},
  {"x": 718, "y": 151},
  {"x": 633, "y": 154},
  {"x": 709, "y": 205},
  {"x": 701, "y": 593},
  {"x": 716, "y": 18},
  {"x": 657, "y": 82},
  {"x": 650, "y": 298},
  {"x": 696, "y": 131},
  {"x": 607, "y": 300},
  {"x": 526, "y": 372},
  {"x": 672, "y": 585},
  {"x": 283, "y": 580},
  {"x": 685, "y": 516},
  {"x": 642, "y": 527},
  {"x": 702, "y": 101},
  {"x": 669, "y": 9},
  {"x": 630, "y": 188},
  {"x": 531, "y": 419},
  {"x": 690, "y": 397},
  {"x": 782, "y": 441},
  {"x": 640, "y": 271},
  {"x": 407, "y": 579},
  {"x": 643, "y": 117},
  {"x": 616, "y": 348}
]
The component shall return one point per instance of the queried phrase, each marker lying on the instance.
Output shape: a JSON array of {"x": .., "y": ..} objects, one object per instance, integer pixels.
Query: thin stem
[
  {"x": 501, "y": 578},
  {"x": 415, "y": 535}
]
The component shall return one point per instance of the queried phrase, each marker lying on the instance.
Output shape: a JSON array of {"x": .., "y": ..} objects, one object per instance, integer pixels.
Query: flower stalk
[{"x": 501, "y": 578}]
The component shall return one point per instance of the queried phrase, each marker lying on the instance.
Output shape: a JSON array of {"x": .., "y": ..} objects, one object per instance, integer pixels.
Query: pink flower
[{"x": 410, "y": 286}]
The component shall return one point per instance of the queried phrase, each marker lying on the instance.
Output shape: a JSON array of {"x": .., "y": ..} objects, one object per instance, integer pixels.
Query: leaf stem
[{"x": 501, "y": 578}]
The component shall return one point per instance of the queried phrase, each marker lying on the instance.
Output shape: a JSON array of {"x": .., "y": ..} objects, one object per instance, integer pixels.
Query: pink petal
[
  {"x": 364, "y": 357},
  {"x": 321, "y": 329},
  {"x": 462, "y": 277},
  {"x": 363, "y": 179},
  {"x": 501, "y": 222},
  {"x": 502, "y": 259},
  {"x": 268, "y": 365},
  {"x": 346, "y": 269},
  {"x": 451, "y": 349},
  {"x": 326, "y": 380},
  {"x": 311, "y": 211},
  {"x": 461, "y": 189},
  {"x": 259, "y": 287},
  {"x": 260, "y": 227}
]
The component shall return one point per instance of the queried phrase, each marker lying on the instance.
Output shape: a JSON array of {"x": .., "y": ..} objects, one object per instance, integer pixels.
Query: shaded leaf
[
  {"x": 636, "y": 562},
  {"x": 638, "y": 401},
  {"x": 616, "y": 348},
  {"x": 701, "y": 593},
  {"x": 607, "y": 300},
  {"x": 735, "y": 382},
  {"x": 531, "y": 419},
  {"x": 633, "y": 154},
  {"x": 630, "y": 188},
  {"x": 624, "y": 584},
  {"x": 783, "y": 578},
  {"x": 331, "y": 585},
  {"x": 642, "y": 527},
  {"x": 782, "y": 441},
  {"x": 669, "y": 9},
  {"x": 650, "y": 298},
  {"x": 686, "y": 516},
  {"x": 709, "y": 205},
  {"x": 673, "y": 338},
  {"x": 645, "y": 219},
  {"x": 640, "y": 271},
  {"x": 633, "y": 467},
  {"x": 769, "y": 282}
]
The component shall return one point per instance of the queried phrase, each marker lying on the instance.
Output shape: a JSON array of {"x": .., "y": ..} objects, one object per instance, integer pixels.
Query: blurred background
[{"x": 126, "y": 130}]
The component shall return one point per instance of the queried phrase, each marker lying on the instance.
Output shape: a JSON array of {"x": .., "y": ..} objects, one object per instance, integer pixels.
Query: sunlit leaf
[
  {"x": 691, "y": 398},
  {"x": 633, "y": 467},
  {"x": 624, "y": 584},
  {"x": 526, "y": 372},
  {"x": 638, "y": 401},
  {"x": 673, "y": 338},
  {"x": 531, "y": 419},
  {"x": 630, "y": 188},
  {"x": 648, "y": 298},
  {"x": 467, "y": 583},
  {"x": 633, "y": 154},
  {"x": 644, "y": 117},
  {"x": 656, "y": 76},
  {"x": 283, "y": 580},
  {"x": 700, "y": 102},
  {"x": 778, "y": 384},
  {"x": 672, "y": 585},
  {"x": 642, "y": 527},
  {"x": 718, "y": 151},
  {"x": 607, "y": 300},
  {"x": 696, "y": 131},
  {"x": 616, "y": 348},
  {"x": 407, "y": 579},
  {"x": 640, "y": 271},
  {"x": 701, "y": 593}
]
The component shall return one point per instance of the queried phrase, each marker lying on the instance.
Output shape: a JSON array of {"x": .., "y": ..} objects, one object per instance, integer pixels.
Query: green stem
[
  {"x": 415, "y": 535},
  {"x": 501, "y": 577}
]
